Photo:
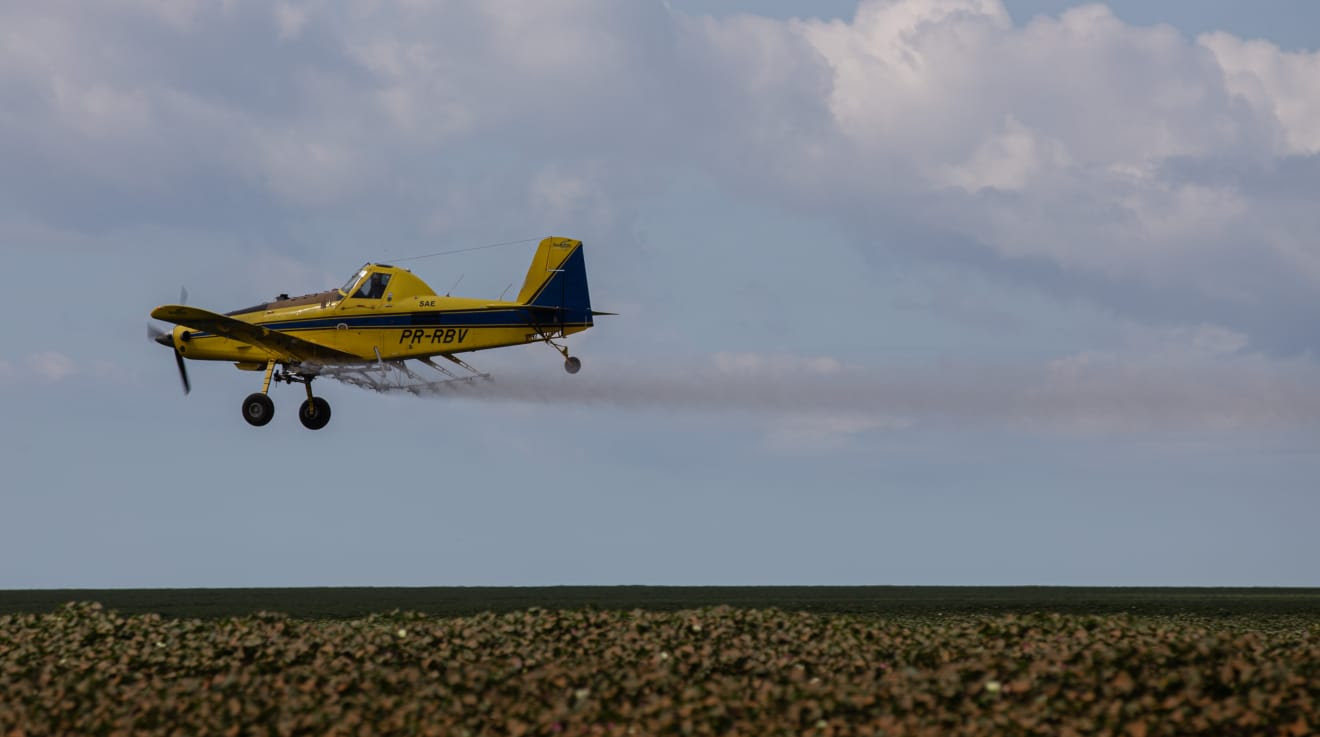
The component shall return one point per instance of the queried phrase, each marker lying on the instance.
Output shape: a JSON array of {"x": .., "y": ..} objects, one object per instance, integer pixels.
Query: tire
[
  {"x": 258, "y": 409},
  {"x": 572, "y": 364},
  {"x": 314, "y": 414}
]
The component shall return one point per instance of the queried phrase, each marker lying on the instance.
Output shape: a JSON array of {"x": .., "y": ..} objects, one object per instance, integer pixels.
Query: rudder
[{"x": 557, "y": 278}]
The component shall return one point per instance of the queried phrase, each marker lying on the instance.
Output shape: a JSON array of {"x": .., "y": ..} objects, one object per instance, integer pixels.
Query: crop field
[
  {"x": 1221, "y": 664},
  {"x": 338, "y": 603}
]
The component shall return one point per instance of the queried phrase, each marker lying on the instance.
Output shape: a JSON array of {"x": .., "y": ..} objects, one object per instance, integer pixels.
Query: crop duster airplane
[{"x": 364, "y": 332}]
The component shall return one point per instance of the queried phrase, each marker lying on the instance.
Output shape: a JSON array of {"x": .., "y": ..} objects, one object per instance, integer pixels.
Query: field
[
  {"x": 622, "y": 661},
  {"x": 337, "y": 603}
]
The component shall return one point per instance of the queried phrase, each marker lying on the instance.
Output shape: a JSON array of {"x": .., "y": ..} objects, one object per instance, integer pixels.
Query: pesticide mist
[{"x": 1084, "y": 392}]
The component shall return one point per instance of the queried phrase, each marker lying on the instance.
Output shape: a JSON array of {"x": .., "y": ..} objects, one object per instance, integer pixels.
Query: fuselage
[{"x": 383, "y": 313}]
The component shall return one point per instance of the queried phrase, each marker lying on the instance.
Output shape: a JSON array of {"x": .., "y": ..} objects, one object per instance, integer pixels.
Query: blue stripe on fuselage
[
  {"x": 511, "y": 317},
  {"x": 480, "y": 318}
]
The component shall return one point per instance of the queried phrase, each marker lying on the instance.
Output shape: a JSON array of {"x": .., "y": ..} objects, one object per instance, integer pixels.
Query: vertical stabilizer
[{"x": 557, "y": 278}]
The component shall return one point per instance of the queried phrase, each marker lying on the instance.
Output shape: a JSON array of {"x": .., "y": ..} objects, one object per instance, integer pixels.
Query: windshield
[
  {"x": 373, "y": 287},
  {"x": 347, "y": 289}
]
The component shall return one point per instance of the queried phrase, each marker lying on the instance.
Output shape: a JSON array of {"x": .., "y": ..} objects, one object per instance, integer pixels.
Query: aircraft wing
[{"x": 282, "y": 344}]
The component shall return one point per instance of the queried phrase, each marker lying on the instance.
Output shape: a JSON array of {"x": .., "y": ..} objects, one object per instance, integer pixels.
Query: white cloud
[
  {"x": 1011, "y": 160},
  {"x": 1129, "y": 158},
  {"x": 181, "y": 14},
  {"x": 49, "y": 366},
  {"x": 1098, "y": 392},
  {"x": 561, "y": 195},
  {"x": 1285, "y": 84},
  {"x": 821, "y": 433},
  {"x": 55, "y": 367},
  {"x": 308, "y": 170},
  {"x": 775, "y": 364},
  {"x": 1071, "y": 112},
  {"x": 289, "y": 20},
  {"x": 270, "y": 273},
  {"x": 1199, "y": 341},
  {"x": 1150, "y": 171}
]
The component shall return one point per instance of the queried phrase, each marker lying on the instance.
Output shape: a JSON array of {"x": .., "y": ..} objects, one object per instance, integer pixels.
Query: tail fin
[{"x": 557, "y": 279}]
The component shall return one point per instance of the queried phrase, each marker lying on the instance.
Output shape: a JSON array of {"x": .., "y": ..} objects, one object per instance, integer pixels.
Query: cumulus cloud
[
  {"x": 1062, "y": 151},
  {"x": 54, "y": 367},
  {"x": 1157, "y": 175},
  {"x": 43, "y": 366},
  {"x": 1286, "y": 84}
]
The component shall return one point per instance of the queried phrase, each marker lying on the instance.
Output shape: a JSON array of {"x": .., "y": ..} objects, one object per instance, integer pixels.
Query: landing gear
[
  {"x": 314, "y": 413},
  {"x": 572, "y": 364},
  {"x": 258, "y": 409},
  {"x": 548, "y": 335}
]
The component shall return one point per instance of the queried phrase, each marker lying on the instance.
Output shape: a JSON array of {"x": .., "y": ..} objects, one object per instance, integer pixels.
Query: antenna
[
  {"x": 465, "y": 250},
  {"x": 451, "y": 289},
  {"x": 506, "y": 291}
]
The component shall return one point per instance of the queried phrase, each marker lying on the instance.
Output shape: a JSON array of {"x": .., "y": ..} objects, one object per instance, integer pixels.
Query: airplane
[{"x": 364, "y": 332}]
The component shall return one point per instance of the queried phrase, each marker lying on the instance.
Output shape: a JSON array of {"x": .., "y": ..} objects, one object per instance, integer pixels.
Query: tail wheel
[
  {"x": 258, "y": 409},
  {"x": 572, "y": 364},
  {"x": 314, "y": 413}
]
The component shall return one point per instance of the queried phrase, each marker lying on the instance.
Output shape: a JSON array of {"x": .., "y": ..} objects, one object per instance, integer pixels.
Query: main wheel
[
  {"x": 314, "y": 413},
  {"x": 572, "y": 364},
  {"x": 258, "y": 409}
]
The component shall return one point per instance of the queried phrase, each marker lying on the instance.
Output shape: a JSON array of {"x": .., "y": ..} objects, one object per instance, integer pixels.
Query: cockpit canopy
[
  {"x": 366, "y": 284},
  {"x": 374, "y": 281},
  {"x": 347, "y": 289}
]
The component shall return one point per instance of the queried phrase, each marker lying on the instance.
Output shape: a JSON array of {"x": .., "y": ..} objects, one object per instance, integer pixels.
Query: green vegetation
[
  {"x": 334, "y": 603},
  {"x": 82, "y": 669}
]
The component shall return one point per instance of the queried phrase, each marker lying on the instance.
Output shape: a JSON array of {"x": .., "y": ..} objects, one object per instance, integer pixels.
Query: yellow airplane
[{"x": 364, "y": 332}]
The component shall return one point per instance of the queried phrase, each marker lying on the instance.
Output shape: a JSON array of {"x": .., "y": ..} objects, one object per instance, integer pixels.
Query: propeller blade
[
  {"x": 166, "y": 338},
  {"x": 183, "y": 372}
]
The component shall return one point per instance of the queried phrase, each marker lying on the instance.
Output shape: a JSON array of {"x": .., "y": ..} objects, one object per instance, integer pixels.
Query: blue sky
[{"x": 910, "y": 292}]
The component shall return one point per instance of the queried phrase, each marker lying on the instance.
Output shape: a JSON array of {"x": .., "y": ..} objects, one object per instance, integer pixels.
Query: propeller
[
  {"x": 183, "y": 371},
  {"x": 166, "y": 338}
]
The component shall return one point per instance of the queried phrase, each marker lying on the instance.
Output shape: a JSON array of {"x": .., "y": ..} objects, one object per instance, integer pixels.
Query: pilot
[
  {"x": 368, "y": 289},
  {"x": 373, "y": 287}
]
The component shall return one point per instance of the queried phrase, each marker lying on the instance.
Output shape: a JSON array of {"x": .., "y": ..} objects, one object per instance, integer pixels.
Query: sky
[{"x": 942, "y": 292}]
